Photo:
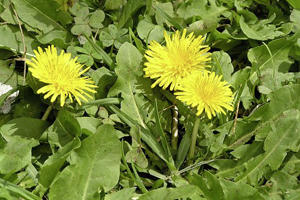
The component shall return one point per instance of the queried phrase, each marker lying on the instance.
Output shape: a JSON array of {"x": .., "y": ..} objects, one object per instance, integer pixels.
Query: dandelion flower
[
  {"x": 206, "y": 92},
  {"x": 62, "y": 76},
  {"x": 183, "y": 55}
]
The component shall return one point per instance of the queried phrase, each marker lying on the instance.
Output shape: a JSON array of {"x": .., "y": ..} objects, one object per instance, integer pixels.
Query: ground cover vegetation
[{"x": 149, "y": 99}]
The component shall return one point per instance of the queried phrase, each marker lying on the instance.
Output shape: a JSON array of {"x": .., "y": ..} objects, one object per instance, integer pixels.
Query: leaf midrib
[
  {"x": 88, "y": 177},
  {"x": 136, "y": 107}
]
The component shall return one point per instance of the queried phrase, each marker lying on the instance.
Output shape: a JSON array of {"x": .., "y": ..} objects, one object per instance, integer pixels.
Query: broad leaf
[
  {"x": 19, "y": 126},
  {"x": 281, "y": 139},
  {"x": 52, "y": 165},
  {"x": 64, "y": 129},
  {"x": 96, "y": 165},
  {"x": 15, "y": 154},
  {"x": 44, "y": 15}
]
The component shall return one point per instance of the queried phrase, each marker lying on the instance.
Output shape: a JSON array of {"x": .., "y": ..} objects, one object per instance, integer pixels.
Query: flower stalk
[
  {"x": 194, "y": 139},
  {"x": 47, "y": 112}
]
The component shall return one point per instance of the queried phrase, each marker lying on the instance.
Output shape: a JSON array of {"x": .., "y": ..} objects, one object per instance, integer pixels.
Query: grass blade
[{"x": 18, "y": 190}]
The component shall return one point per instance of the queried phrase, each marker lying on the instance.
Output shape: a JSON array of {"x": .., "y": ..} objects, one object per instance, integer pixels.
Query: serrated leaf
[
  {"x": 263, "y": 29},
  {"x": 209, "y": 185},
  {"x": 266, "y": 60},
  {"x": 280, "y": 140},
  {"x": 281, "y": 100},
  {"x": 234, "y": 191}
]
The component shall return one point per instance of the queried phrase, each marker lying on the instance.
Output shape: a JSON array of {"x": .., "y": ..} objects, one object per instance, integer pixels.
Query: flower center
[
  {"x": 182, "y": 63},
  {"x": 206, "y": 94}
]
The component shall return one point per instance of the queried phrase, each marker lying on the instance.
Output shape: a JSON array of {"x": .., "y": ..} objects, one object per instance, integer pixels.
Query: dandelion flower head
[
  {"x": 183, "y": 55},
  {"x": 62, "y": 76},
  {"x": 206, "y": 91}
]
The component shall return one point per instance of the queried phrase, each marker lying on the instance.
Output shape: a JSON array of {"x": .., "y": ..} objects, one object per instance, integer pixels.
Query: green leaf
[
  {"x": 209, "y": 185},
  {"x": 263, "y": 30},
  {"x": 295, "y": 18},
  {"x": 183, "y": 191},
  {"x": 96, "y": 19},
  {"x": 282, "y": 183},
  {"x": 136, "y": 156},
  {"x": 206, "y": 9},
  {"x": 281, "y": 100},
  {"x": 183, "y": 149},
  {"x": 124, "y": 194},
  {"x": 164, "y": 141},
  {"x": 166, "y": 16},
  {"x": 29, "y": 104},
  {"x": 128, "y": 69},
  {"x": 113, "y": 36},
  {"x": 113, "y": 4},
  {"x": 148, "y": 31},
  {"x": 15, "y": 154},
  {"x": 19, "y": 126},
  {"x": 18, "y": 190},
  {"x": 266, "y": 60},
  {"x": 44, "y": 16},
  {"x": 129, "y": 9},
  {"x": 64, "y": 129},
  {"x": 233, "y": 191},
  {"x": 222, "y": 64},
  {"x": 55, "y": 37},
  {"x": 261, "y": 59},
  {"x": 101, "y": 52},
  {"x": 209, "y": 12},
  {"x": 167, "y": 8},
  {"x": 281, "y": 139},
  {"x": 146, "y": 135},
  {"x": 52, "y": 165},
  {"x": 13, "y": 40},
  {"x": 88, "y": 125},
  {"x": 294, "y": 3},
  {"x": 96, "y": 165},
  {"x": 81, "y": 29},
  {"x": 5, "y": 97}
]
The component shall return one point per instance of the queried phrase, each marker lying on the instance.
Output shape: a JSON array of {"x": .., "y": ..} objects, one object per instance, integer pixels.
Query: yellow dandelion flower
[
  {"x": 182, "y": 55},
  {"x": 61, "y": 74},
  {"x": 206, "y": 92}
]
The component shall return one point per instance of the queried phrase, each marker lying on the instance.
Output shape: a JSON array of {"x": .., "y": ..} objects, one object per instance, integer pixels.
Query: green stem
[
  {"x": 194, "y": 139},
  {"x": 47, "y": 112}
]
